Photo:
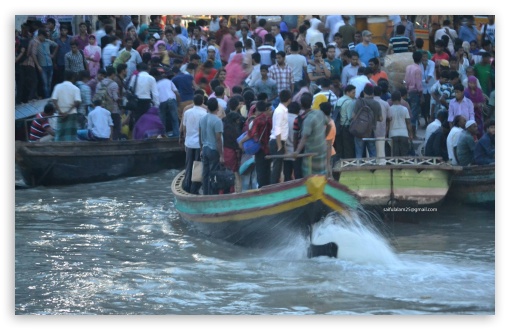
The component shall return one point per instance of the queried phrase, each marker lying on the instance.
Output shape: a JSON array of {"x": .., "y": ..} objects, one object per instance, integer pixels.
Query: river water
[{"x": 120, "y": 248}]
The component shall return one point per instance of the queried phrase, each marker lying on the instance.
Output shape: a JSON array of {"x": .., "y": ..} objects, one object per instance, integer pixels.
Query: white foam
[{"x": 357, "y": 239}]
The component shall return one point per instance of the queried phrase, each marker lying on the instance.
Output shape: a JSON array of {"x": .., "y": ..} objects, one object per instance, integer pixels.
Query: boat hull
[
  {"x": 474, "y": 185},
  {"x": 269, "y": 216},
  {"x": 411, "y": 187},
  {"x": 401, "y": 181},
  {"x": 64, "y": 163}
]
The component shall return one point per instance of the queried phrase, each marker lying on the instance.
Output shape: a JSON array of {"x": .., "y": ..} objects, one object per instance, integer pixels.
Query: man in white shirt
[
  {"x": 459, "y": 123},
  {"x": 110, "y": 52},
  {"x": 134, "y": 59},
  {"x": 449, "y": 31},
  {"x": 100, "y": 123},
  {"x": 333, "y": 23},
  {"x": 66, "y": 98},
  {"x": 238, "y": 50},
  {"x": 279, "y": 134},
  {"x": 255, "y": 73},
  {"x": 146, "y": 90},
  {"x": 361, "y": 80},
  {"x": 441, "y": 116},
  {"x": 169, "y": 97},
  {"x": 190, "y": 132}
]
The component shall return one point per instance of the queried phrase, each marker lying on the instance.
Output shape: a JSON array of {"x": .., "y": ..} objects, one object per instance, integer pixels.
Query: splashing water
[{"x": 357, "y": 239}]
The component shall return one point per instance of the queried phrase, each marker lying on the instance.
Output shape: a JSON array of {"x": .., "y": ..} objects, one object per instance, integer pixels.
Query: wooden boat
[
  {"x": 403, "y": 181},
  {"x": 268, "y": 216},
  {"x": 474, "y": 185},
  {"x": 63, "y": 163}
]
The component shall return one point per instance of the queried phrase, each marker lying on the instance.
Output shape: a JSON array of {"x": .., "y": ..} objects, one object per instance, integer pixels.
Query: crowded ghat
[{"x": 262, "y": 91}]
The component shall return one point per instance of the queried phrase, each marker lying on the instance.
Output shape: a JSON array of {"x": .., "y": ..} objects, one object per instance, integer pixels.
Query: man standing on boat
[
  {"x": 146, "y": 90},
  {"x": 211, "y": 143},
  {"x": 67, "y": 98},
  {"x": 279, "y": 134},
  {"x": 190, "y": 131}
]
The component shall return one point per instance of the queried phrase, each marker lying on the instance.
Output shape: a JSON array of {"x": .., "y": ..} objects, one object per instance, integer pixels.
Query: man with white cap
[
  {"x": 366, "y": 49},
  {"x": 465, "y": 149}
]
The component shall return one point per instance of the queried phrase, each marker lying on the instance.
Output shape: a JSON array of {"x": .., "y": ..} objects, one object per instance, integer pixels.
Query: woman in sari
[
  {"x": 475, "y": 94},
  {"x": 92, "y": 54},
  {"x": 235, "y": 74}
]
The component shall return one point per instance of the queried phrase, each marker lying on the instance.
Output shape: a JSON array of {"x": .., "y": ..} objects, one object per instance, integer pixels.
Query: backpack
[
  {"x": 335, "y": 115},
  {"x": 362, "y": 122},
  {"x": 102, "y": 94}
]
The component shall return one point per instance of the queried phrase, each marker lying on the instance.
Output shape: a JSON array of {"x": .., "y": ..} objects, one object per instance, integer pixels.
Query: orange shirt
[
  {"x": 331, "y": 136},
  {"x": 379, "y": 75}
]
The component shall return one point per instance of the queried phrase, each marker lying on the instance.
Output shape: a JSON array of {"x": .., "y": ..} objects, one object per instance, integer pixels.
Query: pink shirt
[
  {"x": 227, "y": 46},
  {"x": 413, "y": 78}
]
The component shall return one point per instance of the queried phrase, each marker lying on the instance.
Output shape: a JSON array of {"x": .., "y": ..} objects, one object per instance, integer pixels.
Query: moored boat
[
  {"x": 474, "y": 185},
  {"x": 63, "y": 163},
  {"x": 403, "y": 181},
  {"x": 264, "y": 217}
]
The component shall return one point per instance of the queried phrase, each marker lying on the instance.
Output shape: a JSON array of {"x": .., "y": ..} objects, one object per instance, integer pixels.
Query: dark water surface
[{"x": 120, "y": 248}]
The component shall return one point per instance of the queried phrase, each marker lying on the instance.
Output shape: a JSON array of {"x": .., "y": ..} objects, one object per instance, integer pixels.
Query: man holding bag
[{"x": 190, "y": 131}]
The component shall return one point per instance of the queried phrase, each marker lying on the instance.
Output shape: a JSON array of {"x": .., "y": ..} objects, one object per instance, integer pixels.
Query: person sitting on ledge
[
  {"x": 100, "y": 124},
  {"x": 149, "y": 125}
]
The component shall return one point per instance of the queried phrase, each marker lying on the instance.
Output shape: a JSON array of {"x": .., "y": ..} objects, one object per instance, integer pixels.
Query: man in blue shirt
[
  {"x": 278, "y": 39},
  {"x": 366, "y": 49}
]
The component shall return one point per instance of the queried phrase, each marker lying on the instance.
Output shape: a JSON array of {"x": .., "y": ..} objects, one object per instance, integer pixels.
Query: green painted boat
[
  {"x": 403, "y": 181},
  {"x": 474, "y": 185},
  {"x": 269, "y": 216}
]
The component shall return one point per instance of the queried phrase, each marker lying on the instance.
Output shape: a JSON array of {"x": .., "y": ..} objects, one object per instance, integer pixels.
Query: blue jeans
[
  {"x": 360, "y": 145},
  {"x": 47, "y": 77},
  {"x": 210, "y": 163},
  {"x": 168, "y": 115},
  {"x": 414, "y": 103}
]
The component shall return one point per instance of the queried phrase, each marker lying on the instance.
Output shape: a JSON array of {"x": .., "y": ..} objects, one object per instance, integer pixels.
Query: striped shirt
[
  {"x": 283, "y": 77},
  {"x": 199, "y": 43},
  {"x": 400, "y": 44},
  {"x": 267, "y": 54},
  {"x": 74, "y": 62},
  {"x": 38, "y": 127}
]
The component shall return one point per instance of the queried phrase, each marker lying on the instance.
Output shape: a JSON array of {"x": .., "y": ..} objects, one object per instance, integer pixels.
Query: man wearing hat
[
  {"x": 366, "y": 49},
  {"x": 460, "y": 105},
  {"x": 465, "y": 150}
]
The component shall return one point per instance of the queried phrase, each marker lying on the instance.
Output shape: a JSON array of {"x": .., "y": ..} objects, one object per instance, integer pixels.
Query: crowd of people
[{"x": 319, "y": 89}]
